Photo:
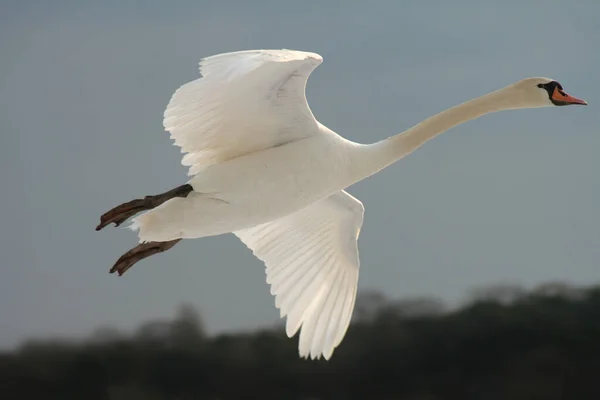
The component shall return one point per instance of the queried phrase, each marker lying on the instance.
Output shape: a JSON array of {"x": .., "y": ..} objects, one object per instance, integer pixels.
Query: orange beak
[{"x": 562, "y": 97}]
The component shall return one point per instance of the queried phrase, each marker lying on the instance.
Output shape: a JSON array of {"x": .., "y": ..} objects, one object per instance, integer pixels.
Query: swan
[{"x": 263, "y": 168}]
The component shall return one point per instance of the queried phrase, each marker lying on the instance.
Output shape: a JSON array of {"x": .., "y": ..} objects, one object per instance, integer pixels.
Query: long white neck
[{"x": 381, "y": 154}]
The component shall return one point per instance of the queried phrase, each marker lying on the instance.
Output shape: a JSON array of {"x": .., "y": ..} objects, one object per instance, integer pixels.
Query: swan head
[{"x": 541, "y": 92}]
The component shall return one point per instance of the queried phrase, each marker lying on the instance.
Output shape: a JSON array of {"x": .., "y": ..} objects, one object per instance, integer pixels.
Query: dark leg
[
  {"x": 140, "y": 252},
  {"x": 121, "y": 213}
]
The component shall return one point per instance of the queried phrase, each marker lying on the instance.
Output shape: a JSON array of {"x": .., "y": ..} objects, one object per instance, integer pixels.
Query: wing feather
[
  {"x": 311, "y": 260},
  {"x": 244, "y": 102}
]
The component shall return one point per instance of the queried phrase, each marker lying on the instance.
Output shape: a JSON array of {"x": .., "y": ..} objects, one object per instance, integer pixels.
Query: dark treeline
[{"x": 506, "y": 343}]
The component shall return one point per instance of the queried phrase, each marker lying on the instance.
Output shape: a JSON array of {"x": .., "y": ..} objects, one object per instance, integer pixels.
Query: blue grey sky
[{"x": 510, "y": 197}]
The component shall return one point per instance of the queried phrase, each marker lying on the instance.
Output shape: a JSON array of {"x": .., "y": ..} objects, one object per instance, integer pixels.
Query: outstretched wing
[
  {"x": 245, "y": 101},
  {"x": 312, "y": 263}
]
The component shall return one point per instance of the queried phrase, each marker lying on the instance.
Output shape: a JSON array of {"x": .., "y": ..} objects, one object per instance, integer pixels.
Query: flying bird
[{"x": 263, "y": 168}]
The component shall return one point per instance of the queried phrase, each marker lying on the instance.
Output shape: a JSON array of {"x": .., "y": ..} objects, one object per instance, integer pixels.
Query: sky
[{"x": 509, "y": 198}]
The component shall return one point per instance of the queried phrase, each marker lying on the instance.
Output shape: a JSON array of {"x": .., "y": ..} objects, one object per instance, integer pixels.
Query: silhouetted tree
[
  {"x": 187, "y": 330},
  {"x": 504, "y": 293},
  {"x": 504, "y": 344}
]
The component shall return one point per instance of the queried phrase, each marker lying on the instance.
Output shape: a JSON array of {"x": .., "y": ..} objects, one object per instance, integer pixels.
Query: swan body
[
  {"x": 228, "y": 197},
  {"x": 262, "y": 167}
]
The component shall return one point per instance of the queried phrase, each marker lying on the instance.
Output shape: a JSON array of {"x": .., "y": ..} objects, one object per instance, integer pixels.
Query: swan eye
[{"x": 540, "y": 85}]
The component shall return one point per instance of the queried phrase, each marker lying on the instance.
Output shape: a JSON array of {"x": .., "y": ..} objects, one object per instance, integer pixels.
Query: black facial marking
[{"x": 550, "y": 87}]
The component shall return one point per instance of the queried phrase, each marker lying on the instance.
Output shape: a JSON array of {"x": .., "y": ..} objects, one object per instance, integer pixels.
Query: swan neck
[{"x": 390, "y": 150}]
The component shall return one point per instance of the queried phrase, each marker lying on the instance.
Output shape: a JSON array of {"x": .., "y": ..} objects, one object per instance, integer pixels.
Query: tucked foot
[
  {"x": 123, "y": 212},
  {"x": 140, "y": 252}
]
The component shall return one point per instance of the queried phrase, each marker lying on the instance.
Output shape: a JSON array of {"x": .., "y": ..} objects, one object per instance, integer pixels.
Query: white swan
[{"x": 265, "y": 169}]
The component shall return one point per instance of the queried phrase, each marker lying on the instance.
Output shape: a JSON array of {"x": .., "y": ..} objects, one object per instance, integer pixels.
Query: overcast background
[{"x": 511, "y": 197}]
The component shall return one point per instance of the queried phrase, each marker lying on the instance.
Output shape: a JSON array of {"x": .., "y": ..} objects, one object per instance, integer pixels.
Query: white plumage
[
  {"x": 311, "y": 258},
  {"x": 243, "y": 104},
  {"x": 265, "y": 169}
]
